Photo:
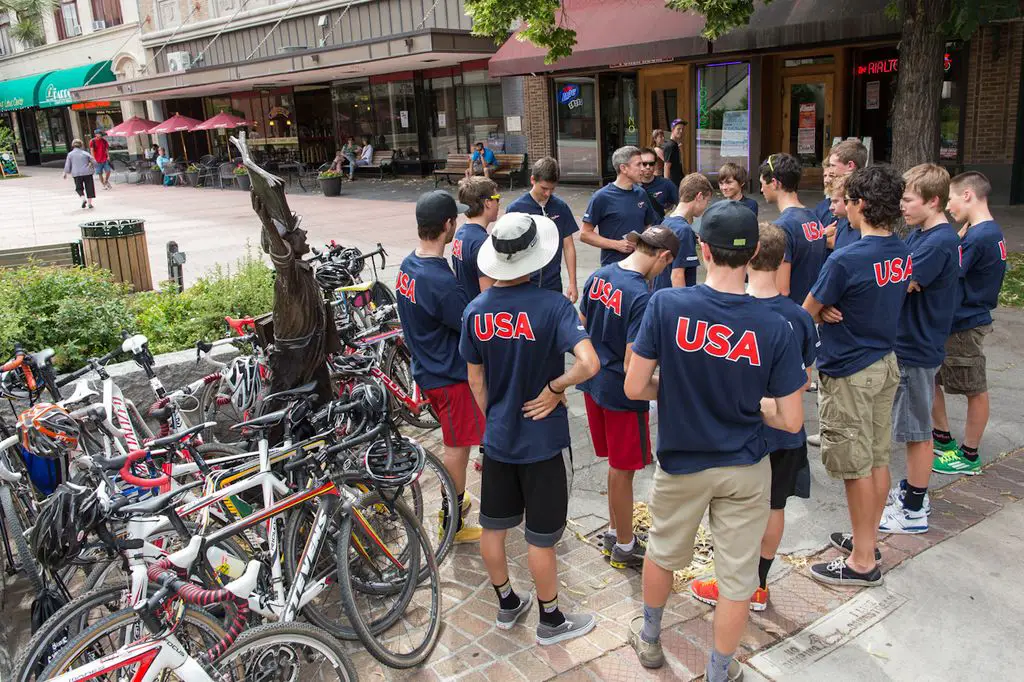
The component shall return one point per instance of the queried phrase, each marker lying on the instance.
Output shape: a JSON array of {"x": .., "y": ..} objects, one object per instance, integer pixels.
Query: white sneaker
[
  {"x": 814, "y": 439},
  {"x": 897, "y": 494},
  {"x": 896, "y": 519}
]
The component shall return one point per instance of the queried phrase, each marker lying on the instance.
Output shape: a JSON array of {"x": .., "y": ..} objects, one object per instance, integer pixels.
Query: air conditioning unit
[
  {"x": 99, "y": 25},
  {"x": 179, "y": 61}
]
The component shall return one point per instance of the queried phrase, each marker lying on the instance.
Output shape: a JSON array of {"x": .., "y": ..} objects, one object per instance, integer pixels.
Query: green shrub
[{"x": 327, "y": 174}]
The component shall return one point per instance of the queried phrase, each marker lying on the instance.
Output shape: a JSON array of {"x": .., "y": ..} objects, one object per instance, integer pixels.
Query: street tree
[
  {"x": 27, "y": 28},
  {"x": 926, "y": 26}
]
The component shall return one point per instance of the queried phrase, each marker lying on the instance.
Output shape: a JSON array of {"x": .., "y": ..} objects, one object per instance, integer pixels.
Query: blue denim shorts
[{"x": 912, "y": 408}]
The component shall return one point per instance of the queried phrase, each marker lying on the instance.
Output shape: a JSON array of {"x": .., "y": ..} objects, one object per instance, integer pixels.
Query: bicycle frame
[
  {"x": 414, "y": 403},
  {"x": 153, "y": 656}
]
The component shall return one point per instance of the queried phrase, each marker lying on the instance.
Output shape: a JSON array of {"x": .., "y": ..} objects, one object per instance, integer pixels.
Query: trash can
[{"x": 119, "y": 246}]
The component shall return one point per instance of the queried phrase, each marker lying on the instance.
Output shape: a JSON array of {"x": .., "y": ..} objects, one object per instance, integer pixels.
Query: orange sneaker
[{"x": 707, "y": 592}]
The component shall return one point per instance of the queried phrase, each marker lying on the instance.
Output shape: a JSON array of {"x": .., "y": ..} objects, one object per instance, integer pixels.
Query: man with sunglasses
[
  {"x": 618, "y": 208},
  {"x": 663, "y": 194},
  {"x": 481, "y": 197}
]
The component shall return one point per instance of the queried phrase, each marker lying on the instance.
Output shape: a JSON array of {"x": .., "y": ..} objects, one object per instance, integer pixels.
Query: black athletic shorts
[
  {"x": 540, "y": 490},
  {"x": 791, "y": 475}
]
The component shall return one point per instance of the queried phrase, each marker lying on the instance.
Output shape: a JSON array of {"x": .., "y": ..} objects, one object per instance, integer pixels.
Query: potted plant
[
  {"x": 156, "y": 176},
  {"x": 192, "y": 174},
  {"x": 330, "y": 182},
  {"x": 242, "y": 177}
]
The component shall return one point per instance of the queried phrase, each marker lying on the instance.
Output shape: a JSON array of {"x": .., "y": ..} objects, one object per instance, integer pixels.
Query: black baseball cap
[
  {"x": 729, "y": 225},
  {"x": 676, "y": 122},
  {"x": 433, "y": 208},
  {"x": 656, "y": 237}
]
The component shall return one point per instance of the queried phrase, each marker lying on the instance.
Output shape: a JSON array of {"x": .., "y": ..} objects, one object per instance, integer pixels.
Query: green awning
[
  {"x": 55, "y": 88},
  {"x": 20, "y": 93}
]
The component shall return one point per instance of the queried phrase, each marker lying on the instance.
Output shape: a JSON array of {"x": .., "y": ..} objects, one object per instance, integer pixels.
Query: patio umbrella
[
  {"x": 133, "y": 126},
  {"x": 176, "y": 124},
  {"x": 223, "y": 121}
]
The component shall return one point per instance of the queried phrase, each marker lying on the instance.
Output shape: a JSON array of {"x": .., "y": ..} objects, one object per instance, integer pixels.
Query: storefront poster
[
  {"x": 807, "y": 117},
  {"x": 871, "y": 95},
  {"x": 442, "y": 119},
  {"x": 404, "y": 116},
  {"x": 805, "y": 139},
  {"x": 735, "y": 136},
  {"x": 513, "y": 124}
]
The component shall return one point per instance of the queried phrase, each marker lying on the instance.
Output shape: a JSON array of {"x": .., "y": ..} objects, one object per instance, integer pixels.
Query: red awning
[{"x": 610, "y": 33}]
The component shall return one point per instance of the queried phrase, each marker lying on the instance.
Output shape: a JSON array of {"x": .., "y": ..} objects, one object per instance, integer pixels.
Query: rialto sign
[{"x": 55, "y": 97}]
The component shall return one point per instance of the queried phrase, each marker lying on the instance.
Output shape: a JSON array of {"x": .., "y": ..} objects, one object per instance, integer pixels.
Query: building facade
[
  {"x": 800, "y": 76},
  {"x": 402, "y": 75},
  {"x": 83, "y": 42}
]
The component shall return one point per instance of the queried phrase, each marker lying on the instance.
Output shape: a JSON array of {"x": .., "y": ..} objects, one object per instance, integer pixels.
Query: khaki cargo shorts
[
  {"x": 963, "y": 370},
  {"x": 856, "y": 419},
  {"x": 736, "y": 499}
]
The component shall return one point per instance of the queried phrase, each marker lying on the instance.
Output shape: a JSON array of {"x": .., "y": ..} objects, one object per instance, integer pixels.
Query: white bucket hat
[{"x": 520, "y": 244}]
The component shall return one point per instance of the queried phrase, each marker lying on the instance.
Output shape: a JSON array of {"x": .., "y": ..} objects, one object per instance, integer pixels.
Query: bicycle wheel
[
  {"x": 197, "y": 632},
  {"x": 397, "y": 364},
  {"x": 14, "y": 520},
  {"x": 285, "y": 651},
  {"x": 64, "y": 625},
  {"x": 217, "y": 407},
  {"x": 436, "y": 492},
  {"x": 363, "y": 559}
]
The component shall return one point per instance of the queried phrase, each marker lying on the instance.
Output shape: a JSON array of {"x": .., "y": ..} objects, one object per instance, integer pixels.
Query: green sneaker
[
  {"x": 942, "y": 448},
  {"x": 954, "y": 463}
]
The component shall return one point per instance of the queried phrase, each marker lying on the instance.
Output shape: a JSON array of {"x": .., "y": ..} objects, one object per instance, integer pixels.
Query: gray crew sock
[
  {"x": 718, "y": 667},
  {"x": 652, "y": 623}
]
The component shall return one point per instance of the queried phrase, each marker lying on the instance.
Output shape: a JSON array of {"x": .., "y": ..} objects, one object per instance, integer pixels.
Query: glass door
[
  {"x": 664, "y": 100},
  {"x": 618, "y": 116},
  {"x": 576, "y": 136},
  {"x": 807, "y": 123}
]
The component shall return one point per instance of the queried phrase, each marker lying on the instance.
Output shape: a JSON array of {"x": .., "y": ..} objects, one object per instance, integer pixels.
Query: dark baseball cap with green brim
[{"x": 729, "y": 225}]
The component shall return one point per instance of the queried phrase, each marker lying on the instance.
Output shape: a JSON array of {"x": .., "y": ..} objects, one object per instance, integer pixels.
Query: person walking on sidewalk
[
  {"x": 514, "y": 339},
  {"x": 430, "y": 305},
  {"x": 480, "y": 196},
  {"x": 711, "y": 446},
  {"x": 982, "y": 268},
  {"x": 80, "y": 164},
  {"x": 791, "y": 473},
  {"x": 920, "y": 346},
  {"x": 614, "y": 300},
  {"x": 618, "y": 208},
  {"x": 100, "y": 150},
  {"x": 858, "y": 296}
]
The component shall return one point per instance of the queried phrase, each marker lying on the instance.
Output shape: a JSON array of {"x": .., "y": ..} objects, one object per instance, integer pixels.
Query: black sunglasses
[{"x": 648, "y": 164}]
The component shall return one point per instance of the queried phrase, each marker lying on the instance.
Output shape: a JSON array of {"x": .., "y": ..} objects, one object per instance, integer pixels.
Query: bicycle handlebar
[
  {"x": 16, "y": 361},
  {"x": 91, "y": 364},
  {"x": 142, "y": 482}
]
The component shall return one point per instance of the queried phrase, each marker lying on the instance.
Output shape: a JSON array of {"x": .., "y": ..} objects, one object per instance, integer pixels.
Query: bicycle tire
[
  {"x": 16, "y": 532},
  {"x": 449, "y": 498},
  {"x": 397, "y": 364},
  {"x": 87, "y": 640},
  {"x": 71, "y": 616},
  {"x": 288, "y": 634},
  {"x": 374, "y": 640},
  {"x": 210, "y": 411}
]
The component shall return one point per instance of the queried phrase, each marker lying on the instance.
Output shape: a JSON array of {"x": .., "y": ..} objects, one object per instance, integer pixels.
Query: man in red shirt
[{"x": 100, "y": 149}]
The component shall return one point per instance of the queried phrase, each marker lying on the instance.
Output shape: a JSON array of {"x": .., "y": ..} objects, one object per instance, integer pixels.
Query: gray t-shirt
[{"x": 79, "y": 163}]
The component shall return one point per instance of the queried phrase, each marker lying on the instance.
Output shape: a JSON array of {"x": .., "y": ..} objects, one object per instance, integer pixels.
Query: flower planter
[
  {"x": 244, "y": 182},
  {"x": 331, "y": 186}
]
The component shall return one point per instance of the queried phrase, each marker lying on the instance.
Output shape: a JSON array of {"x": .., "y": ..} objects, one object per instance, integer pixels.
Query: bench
[
  {"x": 510, "y": 166},
  {"x": 65, "y": 255},
  {"x": 381, "y": 161}
]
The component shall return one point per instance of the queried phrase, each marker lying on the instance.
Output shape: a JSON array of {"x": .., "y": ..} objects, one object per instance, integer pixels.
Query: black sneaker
[
  {"x": 844, "y": 543},
  {"x": 837, "y": 572}
]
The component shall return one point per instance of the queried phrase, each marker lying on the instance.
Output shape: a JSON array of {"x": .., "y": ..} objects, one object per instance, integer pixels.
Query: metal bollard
[{"x": 175, "y": 259}]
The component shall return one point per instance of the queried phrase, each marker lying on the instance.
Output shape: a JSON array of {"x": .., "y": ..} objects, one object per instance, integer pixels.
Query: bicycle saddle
[
  {"x": 175, "y": 438},
  {"x": 304, "y": 390},
  {"x": 160, "y": 503},
  {"x": 264, "y": 422},
  {"x": 42, "y": 357}
]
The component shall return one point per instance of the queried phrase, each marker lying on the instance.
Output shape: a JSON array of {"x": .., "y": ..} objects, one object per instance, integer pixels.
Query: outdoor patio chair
[
  {"x": 207, "y": 171},
  {"x": 173, "y": 170},
  {"x": 309, "y": 176},
  {"x": 226, "y": 173},
  {"x": 121, "y": 172}
]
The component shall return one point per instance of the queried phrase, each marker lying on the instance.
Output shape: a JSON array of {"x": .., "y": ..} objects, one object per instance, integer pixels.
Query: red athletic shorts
[
  {"x": 621, "y": 436},
  {"x": 462, "y": 423}
]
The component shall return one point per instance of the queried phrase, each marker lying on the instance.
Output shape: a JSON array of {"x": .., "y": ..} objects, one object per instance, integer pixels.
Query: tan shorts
[
  {"x": 963, "y": 370},
  {"x": 736, "y": 498},
  {"x": 856, "y": 419}
]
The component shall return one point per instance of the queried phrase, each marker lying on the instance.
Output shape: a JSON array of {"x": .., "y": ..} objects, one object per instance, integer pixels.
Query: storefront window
[
  {"x": 576, "y": 139},
  {"x": 352, "y": 114},
  {"x": 443, "y": 136},
  {"x": 53, "y": 133},
  {"x": 618, "y": 115},
  {"x": 951, "y": 105},
  {"x": 723, "y": 115},
  {"x": 102, "y": 118},
  {"x": 480, "y": 112},
  {"x": 274, "y": 131},
  {"x": 394, "y": 110}
]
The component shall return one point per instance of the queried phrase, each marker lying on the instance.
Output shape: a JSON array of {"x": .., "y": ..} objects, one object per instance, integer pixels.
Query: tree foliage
[
  {"x": 540, "y": 18},
  {"x": 28, "y": 28}
]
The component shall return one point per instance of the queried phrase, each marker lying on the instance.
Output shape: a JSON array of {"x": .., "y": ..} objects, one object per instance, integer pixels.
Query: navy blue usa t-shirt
[
  {"x": 686, "y": 258},
  {"x": 867, "y": 282},
  {"x": 982, "y": 268},
  {"x": 805, "y": 249},
  {"x": 823, "y": 212},
  {"x": 616, "y": 212},
  {"x": 749, "y": 203},
  {"x": 430, "y": 306},
  {"x": 550, "y": 276},
  {"x": 928, "y": 314},
  {"x": 613, "y": 304},
  {"x": 520, "y": 335},
  {"x": 718, "y": 354},
  {"x": 465, "y": 247},
  {"x": 802, "y": 324},
  {"x": 846, "y": 234},
  {"x": 664, "y": 193}
]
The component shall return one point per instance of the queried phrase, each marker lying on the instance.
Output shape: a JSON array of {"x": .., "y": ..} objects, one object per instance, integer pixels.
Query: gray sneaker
[
  {"x": 575, "y": 625},
  {"x": 814, "y": 439},
  {"x": 507, "y": 618},
  {"x": 634, "y": 558},
  {"x": 607, "y": 542},
  {"x": 650, "y": 654},
  {"x": 734, "y": 673}
]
